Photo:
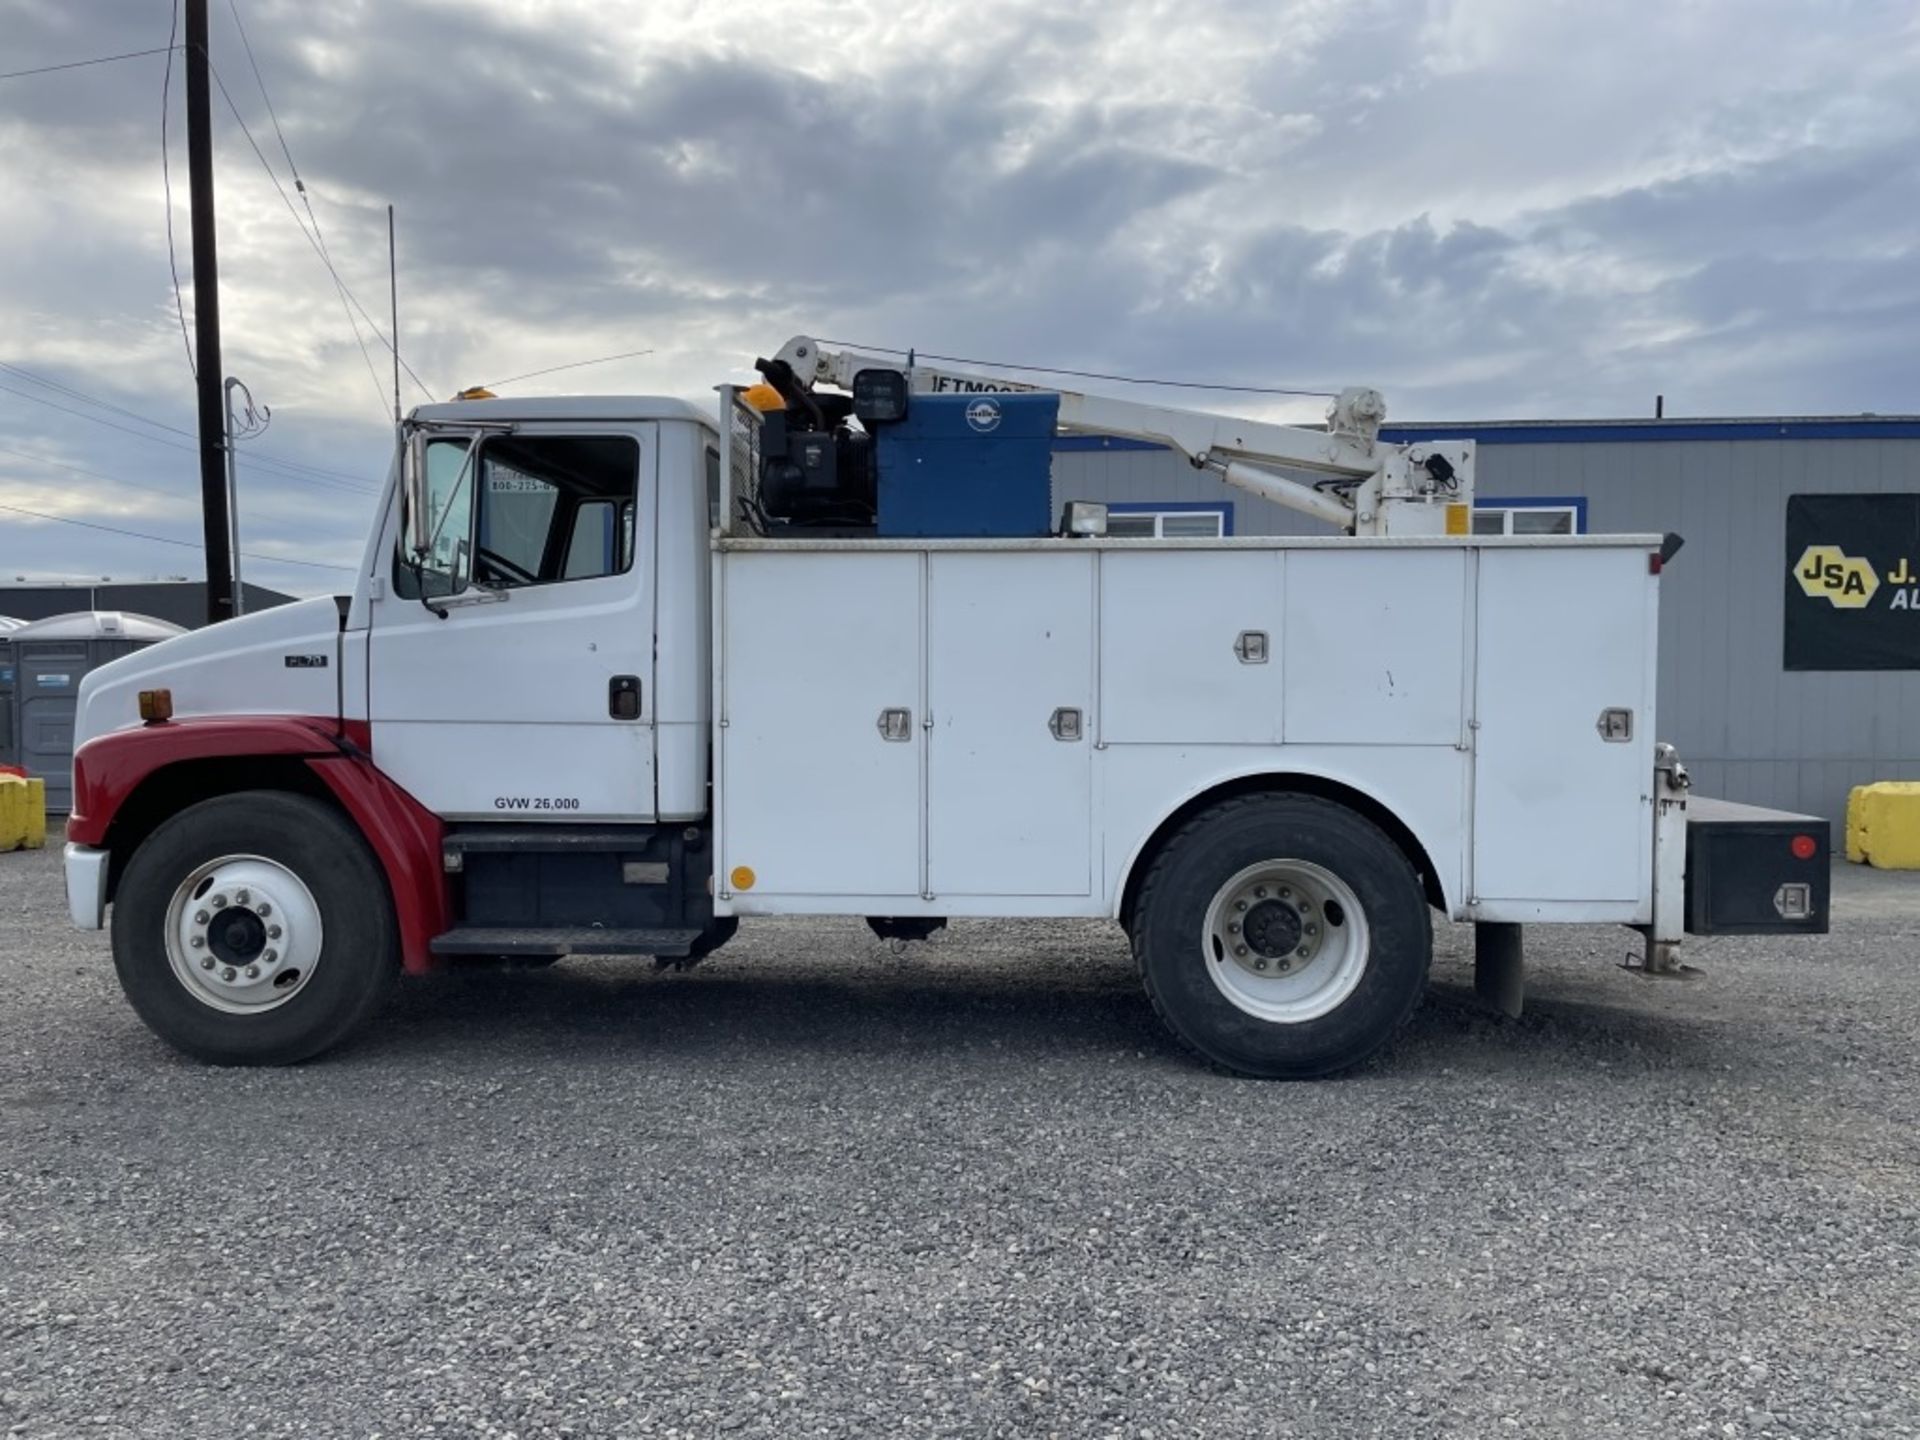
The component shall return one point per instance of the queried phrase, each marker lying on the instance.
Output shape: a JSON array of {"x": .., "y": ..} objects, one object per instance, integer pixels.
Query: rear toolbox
[{"x": 1753, "y": 871}]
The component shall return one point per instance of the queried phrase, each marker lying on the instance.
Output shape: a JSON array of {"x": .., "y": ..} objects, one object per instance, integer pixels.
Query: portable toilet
[
  {"x": 50, "y": 658},
  {"x": 9, "y": 751}
]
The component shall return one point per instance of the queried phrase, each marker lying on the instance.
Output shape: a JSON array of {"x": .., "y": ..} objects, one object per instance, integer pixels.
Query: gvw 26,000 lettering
[{"x": 536, "y": 802}]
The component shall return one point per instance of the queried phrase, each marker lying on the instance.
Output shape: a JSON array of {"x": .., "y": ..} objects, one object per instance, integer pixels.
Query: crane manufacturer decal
[
  {"x": 984, "y": 416},
  {"x": 939, "y": 384}
]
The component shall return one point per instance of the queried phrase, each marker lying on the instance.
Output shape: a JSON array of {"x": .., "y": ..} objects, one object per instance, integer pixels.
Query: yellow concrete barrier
[
  {"x": 1883, "y": 825},
  {"x": 13, "y": 812},
  {"x": 36, "y": 812}
]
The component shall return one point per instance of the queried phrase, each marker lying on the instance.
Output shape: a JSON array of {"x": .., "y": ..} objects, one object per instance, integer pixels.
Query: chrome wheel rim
[
  {"x": 243, "y": 934},
  {"x": 1286, "y": 941}
]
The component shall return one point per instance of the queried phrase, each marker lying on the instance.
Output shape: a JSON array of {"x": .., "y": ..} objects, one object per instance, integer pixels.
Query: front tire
[
  {"x": 254, "y": 929},
  {"x": 1282, "y": 936}
]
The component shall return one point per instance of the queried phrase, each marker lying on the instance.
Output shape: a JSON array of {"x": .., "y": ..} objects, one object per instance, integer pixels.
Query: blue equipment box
[{"x": 968, "y": 465}]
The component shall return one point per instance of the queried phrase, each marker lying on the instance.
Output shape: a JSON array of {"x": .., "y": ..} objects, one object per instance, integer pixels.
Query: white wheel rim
[
  {"x": 243, "y": 934},
  {"x": 1285, "y": 941}
]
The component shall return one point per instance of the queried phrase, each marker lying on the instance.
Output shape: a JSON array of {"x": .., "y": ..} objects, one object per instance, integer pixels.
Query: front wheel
[
  {"x": 1282, "y": 936},
  {"x": 254, "y": 929}
]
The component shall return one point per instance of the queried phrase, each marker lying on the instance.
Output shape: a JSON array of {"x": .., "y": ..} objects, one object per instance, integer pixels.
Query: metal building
[
  {"x": 50, "y": 659},
  {"x": 1755, "y": 715}
]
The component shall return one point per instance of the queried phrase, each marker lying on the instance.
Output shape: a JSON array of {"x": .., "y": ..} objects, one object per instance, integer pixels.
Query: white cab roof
[{"x": 569, "y": 407}]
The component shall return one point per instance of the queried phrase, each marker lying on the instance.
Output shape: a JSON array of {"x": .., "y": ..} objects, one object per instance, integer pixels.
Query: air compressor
[{"x": 885, "y": 462}]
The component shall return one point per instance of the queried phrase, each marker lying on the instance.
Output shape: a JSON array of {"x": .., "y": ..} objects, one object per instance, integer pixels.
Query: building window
[
  {"x": 1565, "y": 515},
  {"x": 1169, "y": 521}
]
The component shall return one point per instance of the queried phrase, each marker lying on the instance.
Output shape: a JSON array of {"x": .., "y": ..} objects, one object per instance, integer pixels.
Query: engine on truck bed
[
  {"x": 881, "y": 463},
  {"x": 815, "y": 477}
]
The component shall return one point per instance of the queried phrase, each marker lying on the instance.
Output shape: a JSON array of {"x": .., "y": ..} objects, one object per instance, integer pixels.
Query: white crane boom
[{"x": 1378, "y": 488}]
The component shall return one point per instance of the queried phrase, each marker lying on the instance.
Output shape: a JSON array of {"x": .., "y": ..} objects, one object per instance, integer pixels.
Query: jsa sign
[{"x": 1853, "y": 582}]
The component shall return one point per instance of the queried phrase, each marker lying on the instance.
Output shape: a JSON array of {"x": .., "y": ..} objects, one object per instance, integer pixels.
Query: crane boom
[{"x": 1367, "y": 486}]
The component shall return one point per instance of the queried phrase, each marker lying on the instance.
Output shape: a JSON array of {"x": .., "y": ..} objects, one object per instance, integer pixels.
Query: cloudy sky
[{"x": 1487, "y": 208}]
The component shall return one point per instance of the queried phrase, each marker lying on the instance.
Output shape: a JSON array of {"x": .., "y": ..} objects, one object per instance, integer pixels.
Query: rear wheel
[
  {"x": 254, "y": 929},
  {"x": 1282, "y": 936}
]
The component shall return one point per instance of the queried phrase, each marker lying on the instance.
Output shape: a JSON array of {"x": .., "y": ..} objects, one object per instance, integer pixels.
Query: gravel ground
[{"x": 812, "y": 1189}]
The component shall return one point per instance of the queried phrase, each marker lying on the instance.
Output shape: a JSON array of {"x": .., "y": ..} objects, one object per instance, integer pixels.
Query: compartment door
[
  {"x": 1561, "y": 812},
  {"x": 818, "y": 798},
  {"x": 1010, "y": 754}
]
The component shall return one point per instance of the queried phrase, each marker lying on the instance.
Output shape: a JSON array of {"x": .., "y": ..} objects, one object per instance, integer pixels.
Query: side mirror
[{"x": 413, "y": 493}]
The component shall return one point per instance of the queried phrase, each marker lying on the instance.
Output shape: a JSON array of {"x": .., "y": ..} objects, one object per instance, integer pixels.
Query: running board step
[{"x": 555, "y": 942}]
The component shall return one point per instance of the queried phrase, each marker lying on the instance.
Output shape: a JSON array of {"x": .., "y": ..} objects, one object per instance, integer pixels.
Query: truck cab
[{"x": 546, "y": 657}]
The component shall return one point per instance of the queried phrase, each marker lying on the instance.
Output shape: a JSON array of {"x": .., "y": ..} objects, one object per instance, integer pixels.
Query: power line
[
  {"x": 84, "y": 398},
  {"x": 165, "y": 539},
  {"x": 272, "y": 114},
  {"x": 574, "y": 365},
  {"x": 58, "y": 388},
  {"x": 93, "y": 474},
  {"x": 388, "y": 346},
  {"x": 96, "y": 60},
  {"x": 111, "y": 425},
  {"x": 300, "y": 188},
  {"x": 166, "y": 184},
  {"x": 1089, "y": 374},
  {"x": 275, "y": 466},
  {"x": 110, "y": 479},
  {"x": 295, "y": 470},
  {"x": 318, "y": 248}
]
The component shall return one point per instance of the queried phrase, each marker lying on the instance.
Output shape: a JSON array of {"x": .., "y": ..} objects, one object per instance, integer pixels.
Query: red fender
[{"x": 405, "y": 836}]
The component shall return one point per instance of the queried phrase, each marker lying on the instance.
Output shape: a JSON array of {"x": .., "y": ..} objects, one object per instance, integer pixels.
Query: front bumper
[{"x": 86, "y": 870}]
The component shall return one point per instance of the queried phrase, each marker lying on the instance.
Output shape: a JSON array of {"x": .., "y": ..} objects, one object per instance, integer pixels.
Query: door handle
[
  {"x": 895, "y": 723},
  {"x": 1615, "y": 725},
  {"x": 623, "y": 697}
]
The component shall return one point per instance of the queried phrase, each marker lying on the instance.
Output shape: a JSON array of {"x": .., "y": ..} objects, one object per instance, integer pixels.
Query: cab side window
[{"x": 543, "y": 509}]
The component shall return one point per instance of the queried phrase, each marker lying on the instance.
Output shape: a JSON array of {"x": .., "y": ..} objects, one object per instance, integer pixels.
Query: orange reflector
[
  {"x": 156, "y": 705},
  {"x": 1459, "y": 520},
  {"x": 742, "y": 877}
]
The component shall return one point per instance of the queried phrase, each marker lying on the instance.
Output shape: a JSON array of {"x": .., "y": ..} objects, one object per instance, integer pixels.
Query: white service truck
[{"x": 618, "y": 673}]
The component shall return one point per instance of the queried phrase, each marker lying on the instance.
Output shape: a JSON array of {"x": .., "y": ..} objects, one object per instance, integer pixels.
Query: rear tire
[
  {"x": 1282, "y": 936},
  {"x": 254, "y": 929}
]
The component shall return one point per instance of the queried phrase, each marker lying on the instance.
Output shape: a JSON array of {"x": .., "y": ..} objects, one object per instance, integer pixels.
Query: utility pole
[{"x": 214, "y": 521}]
